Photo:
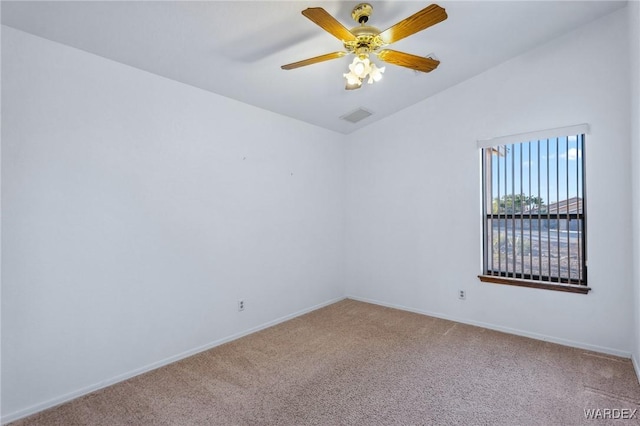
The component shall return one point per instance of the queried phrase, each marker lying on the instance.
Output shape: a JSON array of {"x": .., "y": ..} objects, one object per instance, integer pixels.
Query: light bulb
[
  {"x": 360, "y": 67},
  {"x": 352, "y": 78},
  {"x": 375, "y": 74}
]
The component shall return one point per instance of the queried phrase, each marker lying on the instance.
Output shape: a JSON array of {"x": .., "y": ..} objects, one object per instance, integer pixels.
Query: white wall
[
  {"x": 634, "y": 55},
  {"x": 138, "y": 210},
  {"x": 0, "y": 227},
  {"x": 413, "y": 193}
]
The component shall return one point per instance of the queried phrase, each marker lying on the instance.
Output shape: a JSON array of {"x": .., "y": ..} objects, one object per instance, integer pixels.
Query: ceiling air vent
[{"x": 357, "y": 115}]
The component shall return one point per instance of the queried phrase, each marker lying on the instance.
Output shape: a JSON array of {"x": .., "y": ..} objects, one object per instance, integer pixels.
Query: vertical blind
[{"x": 534, "y": 206}]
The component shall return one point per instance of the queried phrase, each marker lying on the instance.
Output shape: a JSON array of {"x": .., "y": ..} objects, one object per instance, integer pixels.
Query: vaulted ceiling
[{"x": 236, "y": 48}]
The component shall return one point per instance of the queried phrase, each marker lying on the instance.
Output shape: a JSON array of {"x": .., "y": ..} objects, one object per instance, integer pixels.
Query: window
[{"x": 534, "y": 210}]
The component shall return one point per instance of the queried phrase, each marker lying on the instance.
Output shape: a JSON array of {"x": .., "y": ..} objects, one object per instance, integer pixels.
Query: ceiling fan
[{"x": 364, "y": 40}]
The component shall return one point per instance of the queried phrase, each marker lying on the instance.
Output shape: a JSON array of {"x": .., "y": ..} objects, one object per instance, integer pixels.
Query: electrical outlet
[
  {"x": 462, "y": 294},
  {"x": 241, "y": 305}
]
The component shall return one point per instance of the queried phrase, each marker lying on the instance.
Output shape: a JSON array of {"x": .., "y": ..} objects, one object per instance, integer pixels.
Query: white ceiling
[{"x": 235, "y": 48}]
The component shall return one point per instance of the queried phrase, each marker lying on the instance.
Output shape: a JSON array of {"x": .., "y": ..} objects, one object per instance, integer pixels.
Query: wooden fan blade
[
  {"x": 418, "y": 63},
  {"x": 314, "y": 60},
  {"x": 419, "y": 21},
  {"x": 328, "y": 23}
]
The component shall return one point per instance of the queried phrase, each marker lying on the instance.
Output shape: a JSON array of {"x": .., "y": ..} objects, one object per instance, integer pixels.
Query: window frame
[{"x": 503, "y": 275}]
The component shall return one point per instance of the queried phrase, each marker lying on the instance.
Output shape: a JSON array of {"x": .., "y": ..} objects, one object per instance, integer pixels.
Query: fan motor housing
[
  {"x": 367, "y": 40},
  {"x": 367, "y": 37}
]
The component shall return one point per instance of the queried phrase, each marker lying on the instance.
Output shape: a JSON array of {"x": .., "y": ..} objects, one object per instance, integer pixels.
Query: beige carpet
[{"x": 354, "y": 363}]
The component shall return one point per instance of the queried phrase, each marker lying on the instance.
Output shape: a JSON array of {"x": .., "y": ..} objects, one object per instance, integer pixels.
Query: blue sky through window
[{"x": 550, "y": 169}]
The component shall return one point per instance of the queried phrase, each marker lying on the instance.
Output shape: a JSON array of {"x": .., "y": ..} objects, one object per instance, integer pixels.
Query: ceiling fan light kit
[
  {"x": 360, "y": 69},
  {"x": 364, "y": 40}
]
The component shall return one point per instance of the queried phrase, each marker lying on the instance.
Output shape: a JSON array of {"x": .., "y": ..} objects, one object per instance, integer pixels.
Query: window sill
[{"x": 568, "y": 288}]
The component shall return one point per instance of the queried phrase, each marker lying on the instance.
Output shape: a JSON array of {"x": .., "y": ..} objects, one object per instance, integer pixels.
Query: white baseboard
[
  {"x": 636, "y": 367},
  {"x": 537, "y": 336},
  {"x": 103, "y": 384}
]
